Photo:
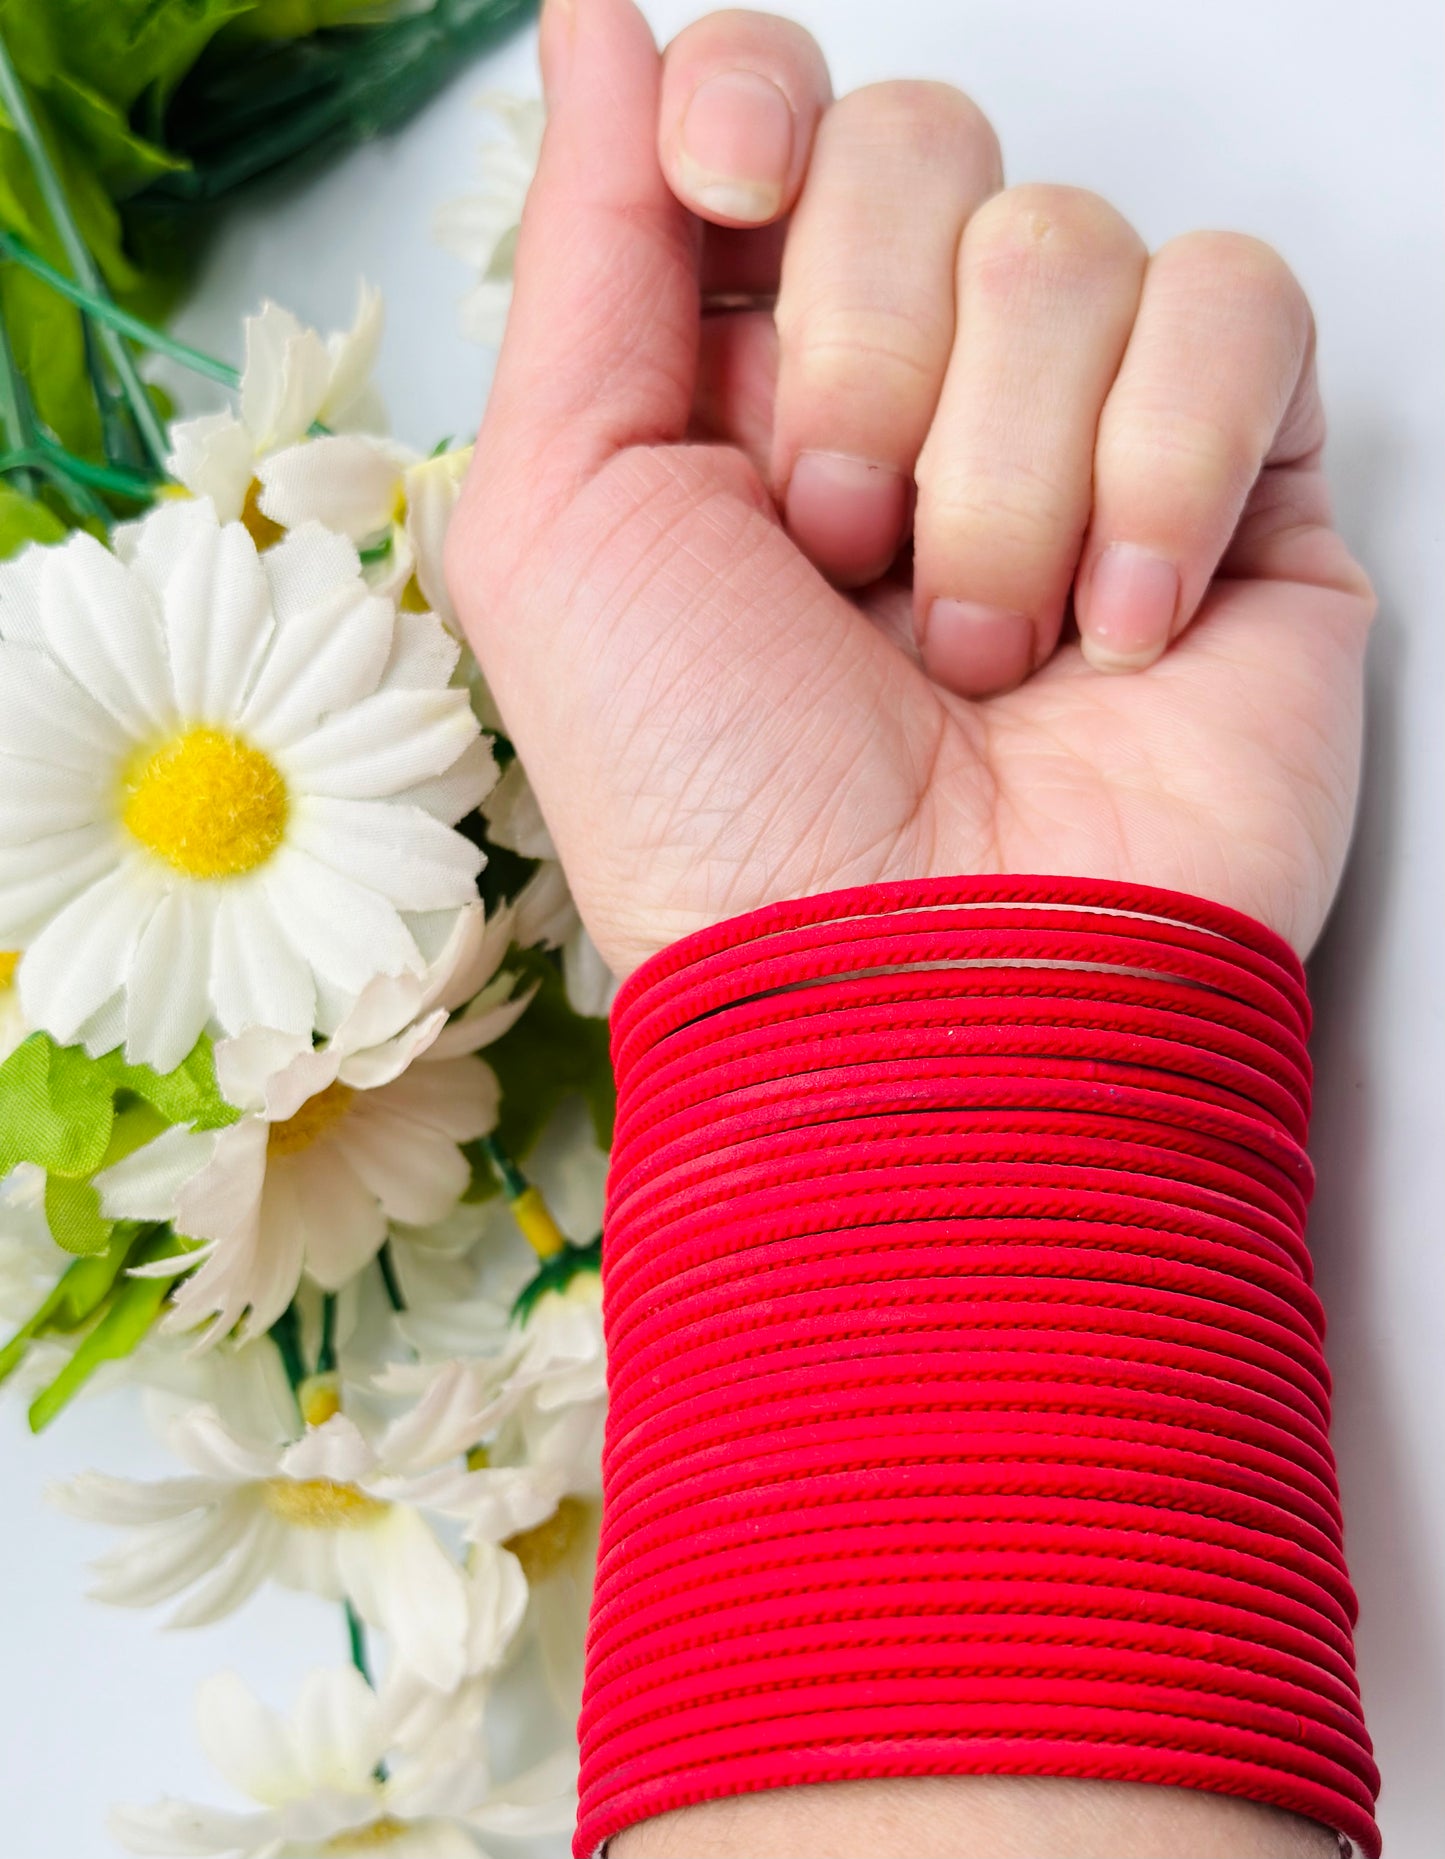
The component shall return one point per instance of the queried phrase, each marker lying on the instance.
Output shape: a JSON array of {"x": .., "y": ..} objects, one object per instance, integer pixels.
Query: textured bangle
[{"x": 968, "y": 1410}]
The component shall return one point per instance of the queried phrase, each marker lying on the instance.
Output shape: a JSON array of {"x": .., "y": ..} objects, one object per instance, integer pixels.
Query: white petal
[
  {"x": 199, "y": 1437},
  {"x": 220, "y": 1201},
  {"x": 457, "y": 1097},
  {"x": 417, "y": 1175},
  {"x": 347, "y": 934},
  {"x": 347, "y": 483},
  {"x": 337, "y": 1450},
  {"x": 168, "y": 1001},
  {"x": 337, "y": 1730},
  {"x": 82, "y": 956},
  {"x": 146, "y": 1185},
  {"x": 279, "y": 1254},
  {"x": 545, "y": 912},
  {"x": 215, "y": 457},
  {"x": 97, "y": 1497},
  {"x": 265, "y": 1060},
  {"x": 41, "y": 878},
  {"x": 475, "y": 955},
  {"x": 461, "y": 790},
  {"x": 321, "y": 660},
  {"x": 303, "y": 568},
  {"x": 591, "y": 985},
  {"x": 399, "y": 852},
  {"x": 216, "y": 608},
  {"x": 172, "y": 1828},
  {"x": 345, "y": 1225},
  {"x": 38, "y": 798},
  {"x": 102, "y": 626},
  {"x": 400, "y": 1577},
  {"x": 383, "y": 744},
  {"x": 444, "y": 1423},
  {"x": 257, "y": 978},
  {"x": 483, "y": 1022},
  {"x": 352, "y": 357},
  {"x": 45, "y": 715},
  {"x": 20, "y": 597},
  {"x": 232, "y": 1582},
  {"x": 432, "y": 489},
  {"x": 285, "y": 379},
  {"x": 162, "y": 1560},
  {"x": 514, "y": 819},
  {"x": 251, "y": 1746},
  {"x": 423, "y": 654}
]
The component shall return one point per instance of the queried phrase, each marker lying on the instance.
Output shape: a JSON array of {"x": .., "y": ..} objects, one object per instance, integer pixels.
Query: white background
[{"x": 1317, "y": 126}]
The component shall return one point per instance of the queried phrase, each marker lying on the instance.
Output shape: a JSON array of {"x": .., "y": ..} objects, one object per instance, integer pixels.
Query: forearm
[{"x": 977, "y": 1817}]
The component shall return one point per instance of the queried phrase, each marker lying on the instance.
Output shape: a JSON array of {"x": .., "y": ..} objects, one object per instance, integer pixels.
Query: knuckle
[
  {"x": 1017, "y": 510},
  {"x": 1241, "y": 264},
  {"x": 879, "y": 352},
  {"x": 1191, "y": 461},
  {"x": 924, "y": 119},
  {"x": 1036, "y": 227}
]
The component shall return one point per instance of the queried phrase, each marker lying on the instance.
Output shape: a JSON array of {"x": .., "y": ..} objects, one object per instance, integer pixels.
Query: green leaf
[
  {"x": 24, "y": 520},
  {"x": 123, "y": 1326},
  {"x": 82, "y": 1289},
  {"x": 57, "y": 1108},
  {"x": 73, "y": 1115},
  {"x": 72, "y": 1209},
  {"x": 550, "y": 1054}
]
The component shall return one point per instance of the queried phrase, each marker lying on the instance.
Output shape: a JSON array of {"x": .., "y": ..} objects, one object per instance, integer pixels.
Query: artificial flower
[
  {"x": 381, "y": 495},
  {"x": 338, "y": 1512},
  {"x": 227, "y": 784},
  {"x": 481, "y": 228},
  {"x": 335, "y": 1778},
  {"x": 292, "y": 380},
  {"x": 336, "y": 1141},
  {"x": 546, "y": 913}
]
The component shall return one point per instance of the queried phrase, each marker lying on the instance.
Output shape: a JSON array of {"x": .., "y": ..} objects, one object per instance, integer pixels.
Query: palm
[{"x": 742, "y": 732}]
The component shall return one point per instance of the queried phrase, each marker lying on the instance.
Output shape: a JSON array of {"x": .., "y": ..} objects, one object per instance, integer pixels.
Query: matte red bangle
[{"x": 968, "y": 1411}]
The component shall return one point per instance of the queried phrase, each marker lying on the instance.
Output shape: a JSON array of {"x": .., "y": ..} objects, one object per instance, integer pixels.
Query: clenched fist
[{"x": 843, "y": 514}]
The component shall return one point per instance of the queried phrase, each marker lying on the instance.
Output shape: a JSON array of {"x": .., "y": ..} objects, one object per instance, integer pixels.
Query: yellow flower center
[
  {"x": 312, "y": 1121},
  {"x": 319, "y": 1398},
  {"x": 207, "y": 803},
  {"x": 9, "y": 962},
  {"x": 365, "y": 1839},
  {"x": 321, "y": 1503},
  {"x": 254, "y": 520},
  {"x": 543, "y": 1549}
]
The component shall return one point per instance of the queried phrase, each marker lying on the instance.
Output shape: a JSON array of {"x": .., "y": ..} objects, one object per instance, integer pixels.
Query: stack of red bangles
[{"x": 968, "y": 1410}]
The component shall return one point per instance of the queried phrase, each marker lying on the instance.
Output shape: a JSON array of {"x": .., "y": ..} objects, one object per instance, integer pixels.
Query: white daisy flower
[
  {"x": 336, "y": 1142},
  {"x": 335, "y": 1778},
  {"x": 481, "y": 228},
  {"x": 227, "y": 784},
  {"x": 374, "y": 491},
  {"x": 335, "y": 1513},
  {"x": 293, "y": 378},
  {"x": 545, "y": 911}
]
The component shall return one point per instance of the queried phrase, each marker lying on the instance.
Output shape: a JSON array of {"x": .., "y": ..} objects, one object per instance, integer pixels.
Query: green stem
[
  {"x": 43, "y": 454},
  {"x": 389, "y": 1278},
  {"x": 356, "y": 1638},
  {"x": 15, "y": 421},
  {"x": 514, "y": 1182},
  {"x": 17, "y": 106},
  {"x": 103, "y": 310},
  {"x": 326, "y": 1351}
]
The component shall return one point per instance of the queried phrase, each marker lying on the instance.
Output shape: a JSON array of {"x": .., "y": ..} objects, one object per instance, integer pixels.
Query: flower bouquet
[{"x": 304, "y": 1092}]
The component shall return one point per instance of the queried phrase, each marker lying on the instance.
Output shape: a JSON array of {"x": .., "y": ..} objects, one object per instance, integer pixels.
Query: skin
[{"x": 993, "y": 544}]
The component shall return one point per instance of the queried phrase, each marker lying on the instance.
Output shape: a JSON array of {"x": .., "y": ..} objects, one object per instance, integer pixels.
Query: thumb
[{"x": 601, "y": 343}]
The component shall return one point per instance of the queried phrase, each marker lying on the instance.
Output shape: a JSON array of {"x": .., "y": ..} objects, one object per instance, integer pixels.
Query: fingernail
[
  {"x": 975, "y": 649},
  {"x": 849, "y": 512},
  {"x": 554, "y": 46},
  {"x": 736, "y": 146},
  {"x": 1129, "y": 608}
]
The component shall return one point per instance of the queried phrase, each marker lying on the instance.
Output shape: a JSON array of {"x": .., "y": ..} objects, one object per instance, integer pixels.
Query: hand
[{"x": 665, "y": 510}]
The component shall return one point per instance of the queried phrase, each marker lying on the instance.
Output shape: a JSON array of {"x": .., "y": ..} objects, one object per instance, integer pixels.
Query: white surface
[{"x": 1314, "y": 125}]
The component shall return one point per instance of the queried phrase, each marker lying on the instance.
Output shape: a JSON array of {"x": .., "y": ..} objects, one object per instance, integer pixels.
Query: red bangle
[{"x": 968, "y": 1411}]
